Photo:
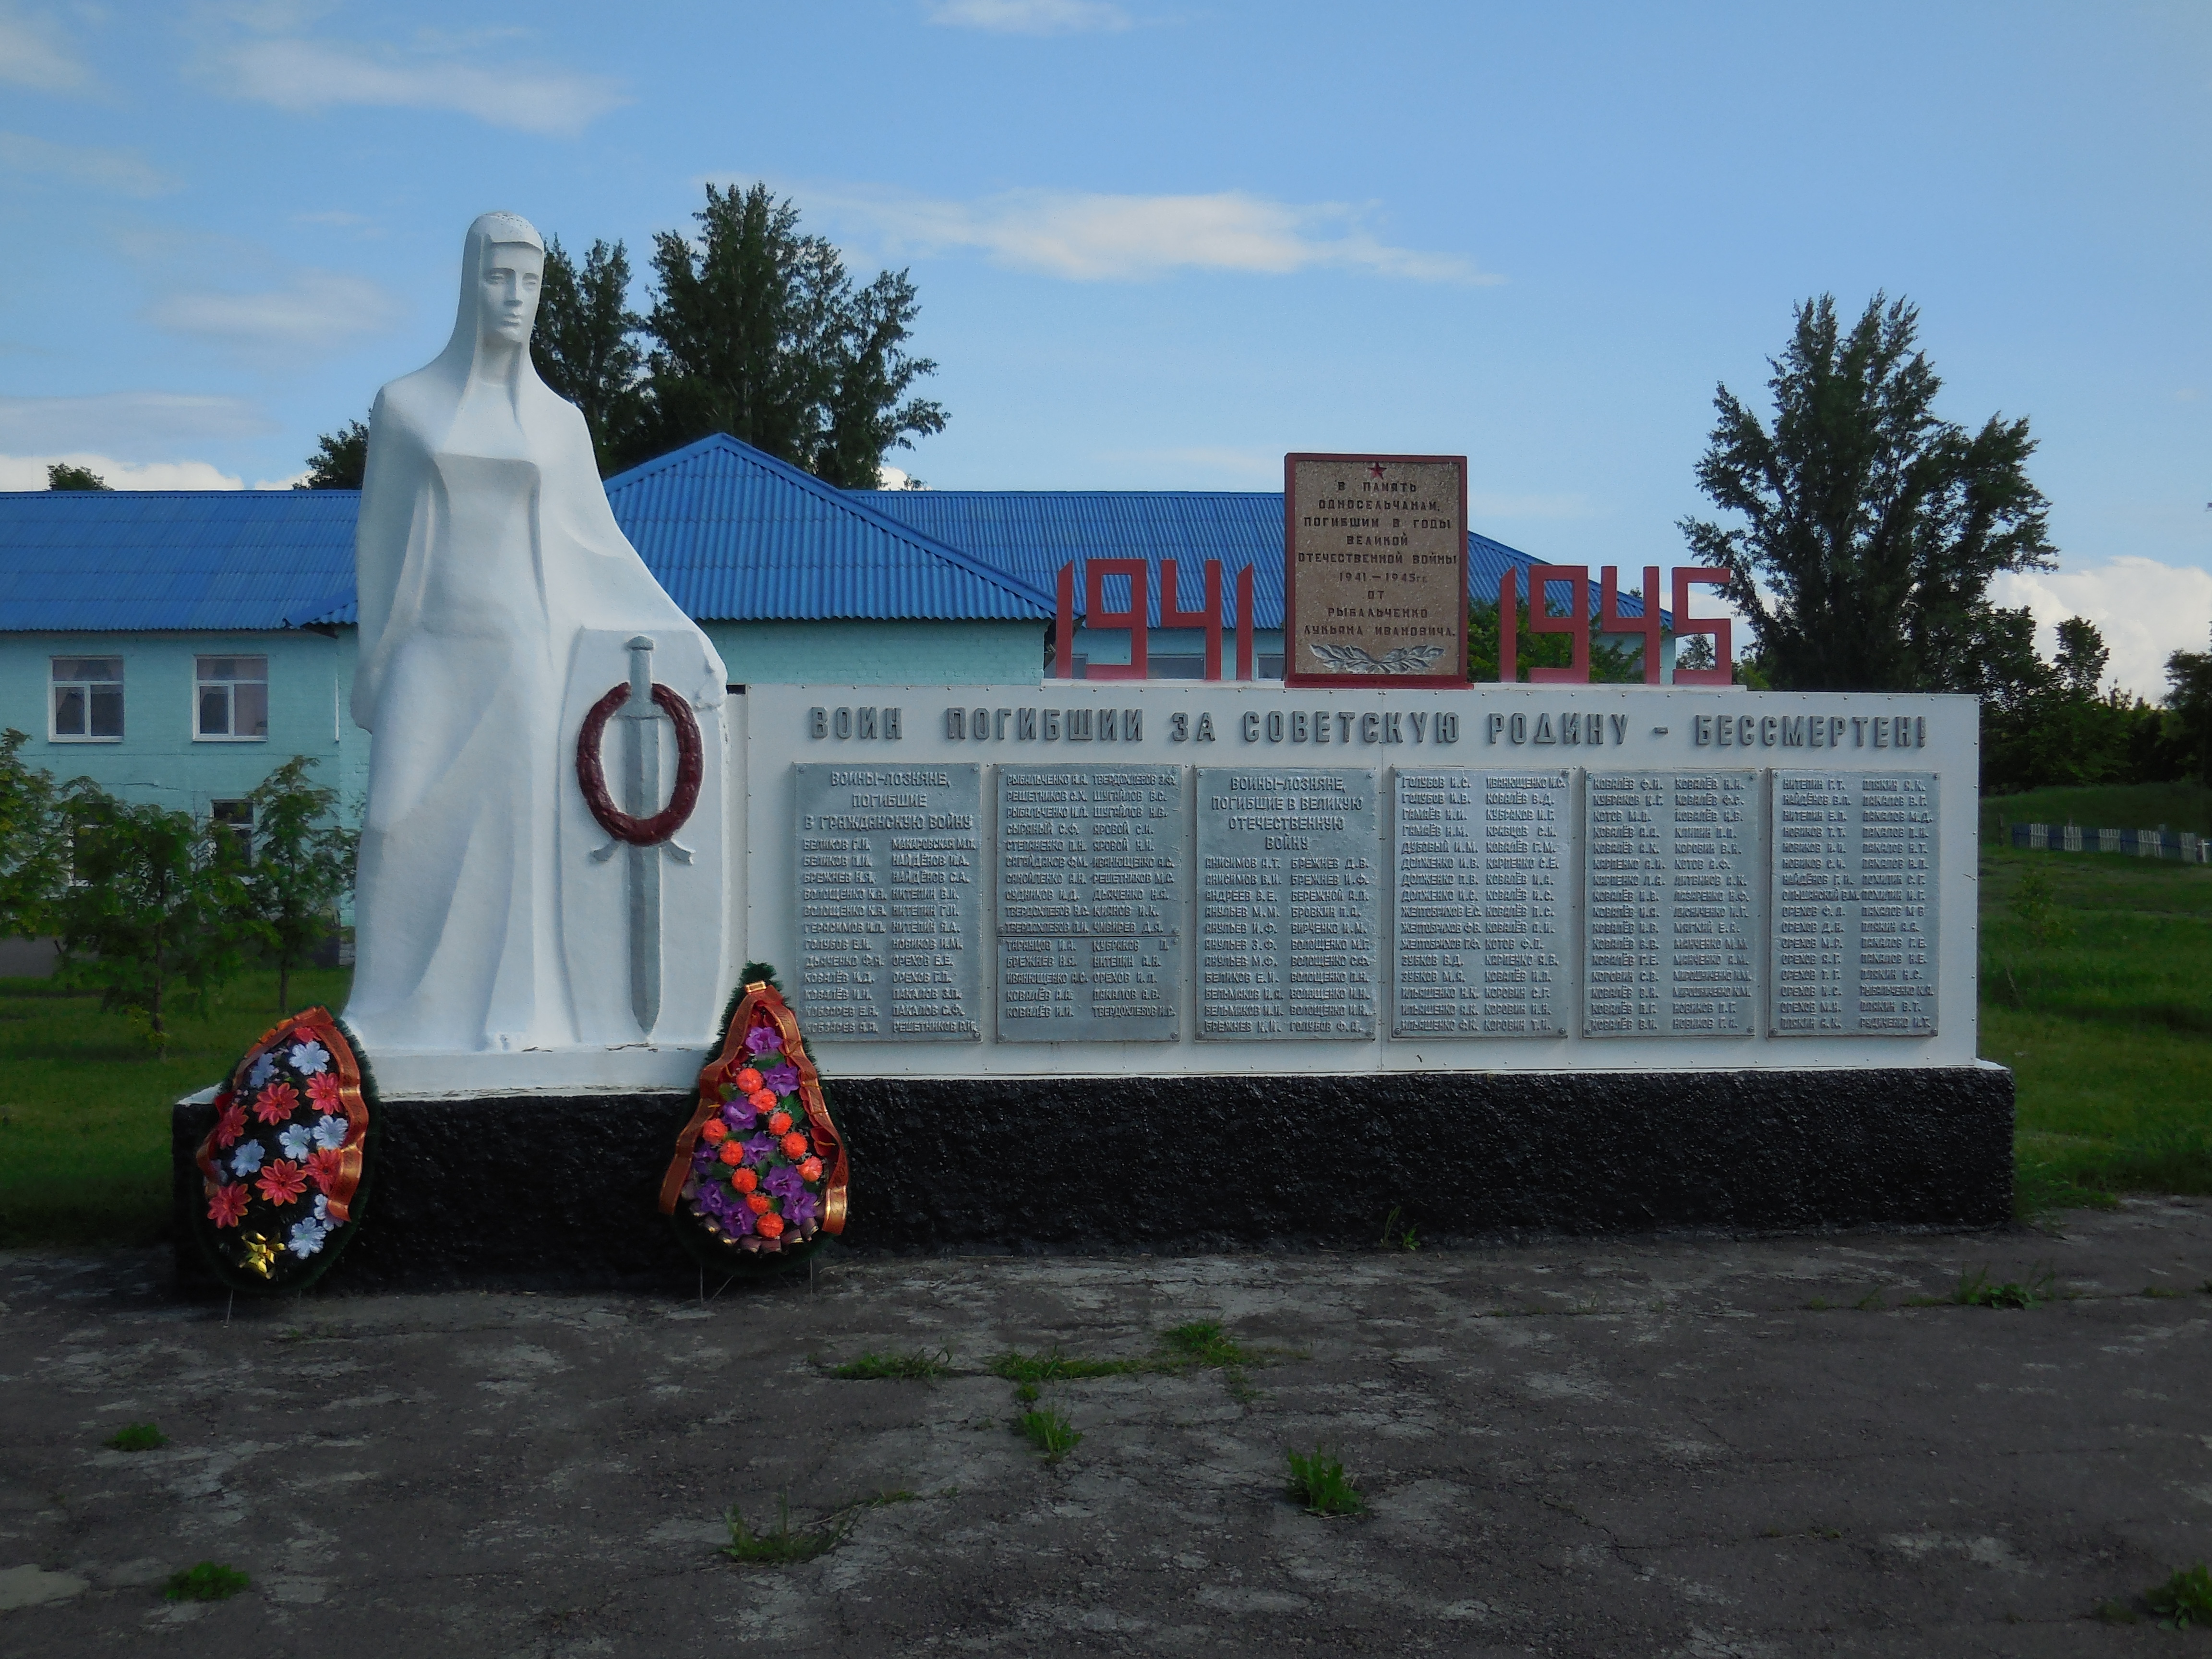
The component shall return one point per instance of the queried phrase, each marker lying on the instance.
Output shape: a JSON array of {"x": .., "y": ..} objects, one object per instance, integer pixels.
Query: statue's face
[{"x": 512, "y": 272}]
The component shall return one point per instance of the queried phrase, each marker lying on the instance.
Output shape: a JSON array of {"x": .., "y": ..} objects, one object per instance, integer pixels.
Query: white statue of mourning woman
[{"x": 497, "y": 594}]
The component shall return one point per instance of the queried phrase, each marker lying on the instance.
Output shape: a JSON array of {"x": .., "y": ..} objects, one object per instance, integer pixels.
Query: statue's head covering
[{"x": 488, "y": 230}]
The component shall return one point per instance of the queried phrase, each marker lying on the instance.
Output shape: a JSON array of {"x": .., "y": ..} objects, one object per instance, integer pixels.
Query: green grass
[
  {"x": 137, "y": 1437},
  {"x": 84, "y": 1103},
  {"x": 2102, "y": 1007},
  {"x": 1978, "y": 1289},
  {"x": 918, "y": 1366},
  {"x": 210, "y": 1581},
  {"x": 2179, "y": 806},
  {"x": 1050, "y": 1432},
  {"x": 784, "y": 1545},
  {"x": 2184, "y": 1600},
  {"x": 1317, "y": 1481}
]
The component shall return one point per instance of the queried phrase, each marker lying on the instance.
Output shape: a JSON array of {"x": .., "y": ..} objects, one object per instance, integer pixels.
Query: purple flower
[
  {"x": 759, "y": 1147},
  {"x": 784, "y": 1182},
  {"x": 761, "y": 1039},
  {"x": 704, "y": 1157},
  {"x": 783, "y": 1080},
  {"x": 799, "y": 1208},
  {"x": 738, "y": 1219},
  {"x": 713, "y": 1198},
  {"x": 740, "y": 1114}
]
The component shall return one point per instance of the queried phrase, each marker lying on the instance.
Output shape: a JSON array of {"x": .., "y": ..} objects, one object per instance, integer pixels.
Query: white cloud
[
  {"x": 32, "y": 54},
  {"x": 314, "y": 307},
  {"x": 29, "y": 472},
  {"x": 118, "y": 170},
  {"x": 123, "y": 423},
  {"x": 1030, "y": 16},
  {"x": 1099, "y": 238},
  {"x": 305, "y": 75},
  {"x": 2145, "y": 610}
]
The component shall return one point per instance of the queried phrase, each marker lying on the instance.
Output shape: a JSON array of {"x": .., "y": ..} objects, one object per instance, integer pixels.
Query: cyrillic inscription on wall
[
  {"x": 1289, "y": 865},
  {"x": 1090, "y": 902},
  {"x": 890, "y": 907},
  {"x": 1483, "y": 873},
  {"x": 1854, "y": 904},
  {"x": 1671, "y": 895}
]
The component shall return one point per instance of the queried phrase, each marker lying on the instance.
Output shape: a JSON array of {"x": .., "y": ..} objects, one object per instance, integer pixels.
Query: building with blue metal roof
[{"x": 175, "y": 646}]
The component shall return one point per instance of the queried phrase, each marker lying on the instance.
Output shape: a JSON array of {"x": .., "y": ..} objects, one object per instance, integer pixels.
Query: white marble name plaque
[
  {"x": 1091, "y": 877},
  {"x": 890, "y": 909},
  {"x": 1671, "y": 874},
  {"x": 1854, "y": 904},
  {"x": 1485, "y": 882},
  {"x": 1289, "y": 861}
]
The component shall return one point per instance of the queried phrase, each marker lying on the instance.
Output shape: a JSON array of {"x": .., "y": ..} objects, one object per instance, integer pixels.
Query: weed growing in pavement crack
[
  {"x": 210, "y": 1581},
  {"x": 1871, "y": 1301},
  {"x": 1978, "y": 1289},
  {"x": 1050, "y": 1433},
  {"x": 137, "y": 1437},
  {"x": 1317, "y": 1482},
  {"x": 1398, "y": 1233},
  {"x": 2160, "y": 1292},
  {"x": 919, "y": 1365},
  {"x": 785, "y": 1545},
  {"x": 2184, "y": 1600}
]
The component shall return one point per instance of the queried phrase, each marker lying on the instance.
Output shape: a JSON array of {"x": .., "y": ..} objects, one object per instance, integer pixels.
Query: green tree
[
  {"x": 340, "y": 459},
  {"x": 1608, "y": 664},
  {"x": 2189, "y": 703},
  {"x": 62, "y": 476},
  {"x": 585, "y": 349},
  {"x": 33, "y": 844},
  {"x": 302, "y": 864},
  {"x": 156, "y": 914},
  {"x": 1875, "y": 526},
  {"x": 758, "y": 331}
]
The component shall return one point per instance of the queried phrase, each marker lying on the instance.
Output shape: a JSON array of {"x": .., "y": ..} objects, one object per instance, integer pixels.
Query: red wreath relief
[{"x": 592, "y": 775}]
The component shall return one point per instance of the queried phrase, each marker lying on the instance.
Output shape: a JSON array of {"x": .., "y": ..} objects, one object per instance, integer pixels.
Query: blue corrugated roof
[
  {"x": 735, "y": 534},
  {"x": 1033, "y": 533},
  {"x": 125, "y": 560}
]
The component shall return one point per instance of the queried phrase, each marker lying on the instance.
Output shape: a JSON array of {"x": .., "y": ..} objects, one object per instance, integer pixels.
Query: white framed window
[
  {"x": 230, "y": 700},
  {"x": 88, "y": 700},
  {"x": 233, "y": 823}
]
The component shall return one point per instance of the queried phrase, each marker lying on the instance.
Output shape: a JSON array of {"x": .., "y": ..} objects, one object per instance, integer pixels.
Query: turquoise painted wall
[
  {"x": 158, "y": 759},
  {"x": 880, "y": 653}
]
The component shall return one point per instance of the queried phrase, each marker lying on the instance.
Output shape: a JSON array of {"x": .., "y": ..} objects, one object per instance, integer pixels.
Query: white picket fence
[{"x": 2136, "y": 843}]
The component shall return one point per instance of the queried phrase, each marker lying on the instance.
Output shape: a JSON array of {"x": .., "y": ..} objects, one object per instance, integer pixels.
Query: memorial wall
[{"x": 1179, "y": 878}]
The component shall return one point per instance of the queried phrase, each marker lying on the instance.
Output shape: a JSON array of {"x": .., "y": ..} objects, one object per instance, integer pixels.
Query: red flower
[
  {"x": 714, "y": 1131},
  {"x": 779, "y": 1122},
  {"x": 747, "y": 1080},
  {"x": 757, "y": 1203},
  {"x": 276, "y": 1102},
  {"x": 326, "y": 1167},
  {"x": 230, "y": 1125},
  {"x": 794, "y": 1145},
  {"x": 283, "y": 1182},
  {"x": 732, "y": 1153},
  {"x": 228, "y": 1203},
  {"x": 323, "y": 1090},
  {"x": 765, "y": 1099},
  {"x": 811, "y": 1170},
  {"x": 744, "y": 1181},
  {"x": 770, "y": 1226}
]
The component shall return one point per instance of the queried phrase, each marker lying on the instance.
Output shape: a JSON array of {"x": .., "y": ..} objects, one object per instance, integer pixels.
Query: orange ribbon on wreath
[{"x": 764, "y": 1004}]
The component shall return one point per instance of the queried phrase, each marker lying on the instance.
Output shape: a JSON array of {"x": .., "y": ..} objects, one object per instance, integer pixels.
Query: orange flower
[
  {"x": 747, "y": 1080},
  {"x": 745, "y": 1180},
  {"x": 764, "y": 1099},
  {"x": 757, "y": 1203},
  {"x": 770, "y": 1226},
  {"x": 811, "y": 1170},
  {"x": 715, "y": 1131},
  {"x": 230, "y": 1125},
  {"x": 323, "y": 1090},
  {"x": 274, "y": 1103},
  {"x": 794, "y": 1145},
  {"x": 283, "y": 1182},
  {"x": 227, "y": 1205},
  {"x": 778, "y": 1122},
  {"x": 732, "y": 1153},
  {"x": 324, "y": 1168}
]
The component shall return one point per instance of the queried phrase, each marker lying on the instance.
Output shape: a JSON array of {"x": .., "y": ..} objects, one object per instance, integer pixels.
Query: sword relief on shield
[{"x": 642, "y": 830}]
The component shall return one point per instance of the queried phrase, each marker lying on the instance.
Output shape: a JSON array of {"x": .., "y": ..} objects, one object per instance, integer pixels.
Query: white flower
[
  {"x": 323, "y": 1209},
  {"x": 246, "y": 1159},
  {"x": 263, "y": 1069},
  {"x": 309, "y": 1058},
  {"x": 330, "y": 1133},
  {"x": 296, "y": 1141},
  {"x": 307, "y": 1237}
]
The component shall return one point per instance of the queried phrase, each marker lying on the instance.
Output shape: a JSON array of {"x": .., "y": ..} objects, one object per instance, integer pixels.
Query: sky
[{"x": 1159, "y": 243}]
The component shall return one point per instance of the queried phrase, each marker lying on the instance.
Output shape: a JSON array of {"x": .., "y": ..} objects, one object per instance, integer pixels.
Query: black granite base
[{"x": 527, "y": 1189}]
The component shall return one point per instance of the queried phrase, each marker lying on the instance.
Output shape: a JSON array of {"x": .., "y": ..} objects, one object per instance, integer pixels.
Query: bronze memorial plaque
[{"x": 1374, "y": 570}]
